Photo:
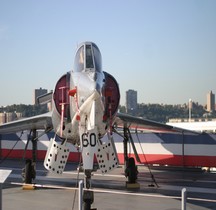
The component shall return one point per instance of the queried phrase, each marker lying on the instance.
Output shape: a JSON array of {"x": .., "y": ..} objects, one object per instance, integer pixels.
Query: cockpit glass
[
  {"x": 97, "y": 58},
  {"x": 89, "y": 57},
  {"x": 79, "y": 60}
]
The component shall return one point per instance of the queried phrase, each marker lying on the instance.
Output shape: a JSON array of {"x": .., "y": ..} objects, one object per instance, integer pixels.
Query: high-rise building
[
  {"x": 37, "y": 93},
  {"x": 210, "y": 102},
  {"x": 131, "y": 101}
]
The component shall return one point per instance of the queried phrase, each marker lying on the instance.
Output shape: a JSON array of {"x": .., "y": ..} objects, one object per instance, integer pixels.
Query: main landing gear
[
  {"x": 131, "y": 170},
  {"x": 29, "y": 171}
]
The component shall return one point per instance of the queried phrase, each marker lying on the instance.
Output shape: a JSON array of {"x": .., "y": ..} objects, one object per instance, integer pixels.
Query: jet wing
[
  {"x": 136, "y": 123},
  {"x": 43, "y": 121}
]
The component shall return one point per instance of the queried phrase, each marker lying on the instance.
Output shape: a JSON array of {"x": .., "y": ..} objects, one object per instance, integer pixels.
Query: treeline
[
  {"x": 156, "y": 112},
  {"x": 162, "y": 113},
  {"x": 26, "y": 110}
]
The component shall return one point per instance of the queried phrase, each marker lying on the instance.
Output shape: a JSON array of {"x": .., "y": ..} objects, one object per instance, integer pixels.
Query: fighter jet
[{"x": 85, "y": 105}]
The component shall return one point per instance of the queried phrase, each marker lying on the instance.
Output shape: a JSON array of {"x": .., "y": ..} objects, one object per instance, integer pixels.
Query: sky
[{"x": 163, "y": 49}]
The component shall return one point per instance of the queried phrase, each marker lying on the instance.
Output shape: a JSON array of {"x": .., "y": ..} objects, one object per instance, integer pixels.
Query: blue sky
[{"x": 166, "y": 50}]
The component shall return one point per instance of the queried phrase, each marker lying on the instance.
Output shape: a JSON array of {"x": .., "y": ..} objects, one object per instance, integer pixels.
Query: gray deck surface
[{"x": 201, "y": 189}]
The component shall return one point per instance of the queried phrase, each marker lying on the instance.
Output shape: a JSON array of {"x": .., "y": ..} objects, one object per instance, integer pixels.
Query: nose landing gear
[{"x": 88, "y": 195}]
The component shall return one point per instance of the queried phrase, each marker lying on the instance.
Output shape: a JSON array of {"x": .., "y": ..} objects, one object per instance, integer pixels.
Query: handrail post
[
  {"x": 80, "y": 194},
  {"x": 184, "y": 198}
]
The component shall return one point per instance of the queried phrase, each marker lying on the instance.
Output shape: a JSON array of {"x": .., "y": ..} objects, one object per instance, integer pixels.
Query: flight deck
[{"x": 58, "y": 191}]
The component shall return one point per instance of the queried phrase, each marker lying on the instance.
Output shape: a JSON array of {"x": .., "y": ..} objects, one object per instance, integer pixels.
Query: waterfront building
[
  {"x": 210, "y": 102},
  {"x": 37, "y": 93},
  {"x": 131, "y": 101},
  {"x": 6, "y": 117}
]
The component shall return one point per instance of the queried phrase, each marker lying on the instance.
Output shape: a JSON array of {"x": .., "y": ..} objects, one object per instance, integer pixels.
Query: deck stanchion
[
  {"x": 80, "y": 194},
  {"x": 184, "y": 198}
]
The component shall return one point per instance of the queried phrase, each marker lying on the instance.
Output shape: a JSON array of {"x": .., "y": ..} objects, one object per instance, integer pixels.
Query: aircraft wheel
[
  {"x": 131, "y": 171},
  {"x": 88, "y": 198},
  {"x": 28, "y": 172},
  {"x": 87, "y": 205}
]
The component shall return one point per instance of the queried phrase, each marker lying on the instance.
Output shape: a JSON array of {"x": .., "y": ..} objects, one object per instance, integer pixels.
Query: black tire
[
  {"x": 87, "y": 205},
  {"x": 28, "y": 172},
  {"x": 132, "y": 170}
]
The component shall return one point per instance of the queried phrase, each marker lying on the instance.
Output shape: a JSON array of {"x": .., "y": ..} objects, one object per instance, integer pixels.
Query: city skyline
[
  {"x": 163, "y": 49},
  {"x": 209, "y": 103},
  {"x": 131, "y": 95}
]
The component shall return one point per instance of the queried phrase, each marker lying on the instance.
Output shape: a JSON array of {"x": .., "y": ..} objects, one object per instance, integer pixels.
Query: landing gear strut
[{"x": 29, "y": 172}]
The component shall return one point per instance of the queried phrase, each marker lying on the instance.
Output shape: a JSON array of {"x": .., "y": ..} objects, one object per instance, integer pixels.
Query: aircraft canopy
[{"x": 88, "y": 56}]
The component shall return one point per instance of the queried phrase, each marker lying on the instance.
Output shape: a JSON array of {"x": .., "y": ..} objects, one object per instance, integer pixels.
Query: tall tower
[
  {"x": 210, "y": 102},
  {"x": 131, "y": 101},
  {"x": 37, "y": 93}
]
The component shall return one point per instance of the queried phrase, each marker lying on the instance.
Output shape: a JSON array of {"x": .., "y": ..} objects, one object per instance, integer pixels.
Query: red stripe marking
[{"x": 172, "y": 160}]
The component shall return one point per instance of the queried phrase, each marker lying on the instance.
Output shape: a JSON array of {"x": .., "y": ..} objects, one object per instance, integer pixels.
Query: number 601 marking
[{"x": 89, "y": 139}]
